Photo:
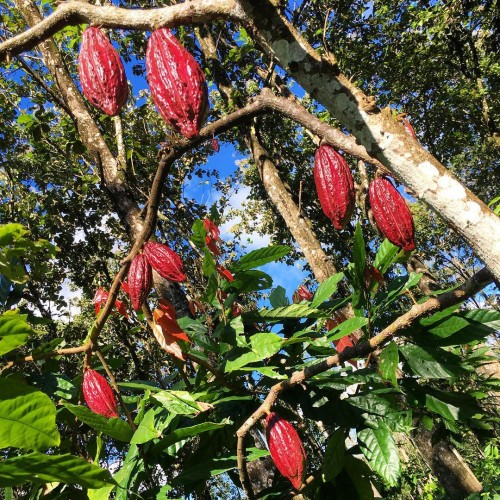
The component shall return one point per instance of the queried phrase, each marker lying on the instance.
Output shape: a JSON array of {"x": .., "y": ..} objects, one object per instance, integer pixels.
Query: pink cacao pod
[
  {"x": 215, "y": 145},
  {"x": 98, "y": 394},
  {"x": 334, "y": 185},
  {"x": 101, "y": 71},
  {"x": 286, "y": 449},
  {"x": 177, "y": 83},
  {"x": 164, "y": 261},
  {"x": 391, "y": 213},
  {"x": 140, "y": 280}
]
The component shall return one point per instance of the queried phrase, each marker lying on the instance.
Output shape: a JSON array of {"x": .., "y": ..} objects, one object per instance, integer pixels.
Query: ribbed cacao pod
[
  {"x": 164, "y": 261},
  {"x": 391, "y": 213},
  {"x": 286, "y": 449},
  {"x": 215, "y": 145},
  {"x": 101, "y": 71},
  {"x": 302, "y": 293},
  {"x": 177, "y": 83},
  {"x": 140, "y": 280},
  {"x": 408, "y": 128},
  {"x": 98, "y": 394},
  {"x": 334, "y": 185}
]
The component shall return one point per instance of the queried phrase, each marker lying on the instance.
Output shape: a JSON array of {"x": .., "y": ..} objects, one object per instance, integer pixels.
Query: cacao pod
[
  {"x": 302, "y": 293},
  {"x": 286, "y": 449},
  {"x": 391, "y": 213},
  {"x": 225, "y": 273},
  {"x": 101, "y": 71},
  {"x": 177, "y": 83},
  {"x": 98, "y": 394},
  {"x": 334, "y": 185},
  {"x": 164, "y": 261},
  {"x": 215, "y": 145},
  {"x": 408, "y": 128},
  {"x": 140, "y": 280}
]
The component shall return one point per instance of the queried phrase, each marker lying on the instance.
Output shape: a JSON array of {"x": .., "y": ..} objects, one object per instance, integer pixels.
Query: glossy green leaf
[
  {"x": 379, "y": 448},
  {"x": 14, "y": 331},
  {"x": 262, "y": 345},
  {"x": 262, "y": 256},
  {"x": 386, "y": 256},
  {"x": 27, "y": 417},
  {"x": 346, "y": 327},
  {"x": 431, "y": 362},
  {"x": 146, "y": 430},
  {"x": 178, "y": 402},
  {"x": 113, "y": 427},
  {"x": 39, "y": 468},
  {"x": 288, "y": 312},
  {"x": 326, "y": 289},
  {"x": 186, "y": 432}
]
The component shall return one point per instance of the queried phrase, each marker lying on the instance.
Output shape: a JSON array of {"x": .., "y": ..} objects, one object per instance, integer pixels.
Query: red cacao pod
[
  {"x": 140, "y": 280},
  {"x": 334, "y": 185},
  {"x": 101, "y": 71},
  {"x": 408, "y": 128},
  {"x": 177, "y": 83},
  {"x": 164, "y": 261},
  {"x": 98, "y": 394},
  {"x": 215, "y": 145},
  {"x": 391, "y": 213},
  {"x": 286, "y": 449}
]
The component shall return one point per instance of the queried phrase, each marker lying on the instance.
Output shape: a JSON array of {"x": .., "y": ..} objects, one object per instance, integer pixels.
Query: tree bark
[
  {"x": 447, "y": 465},
  {"x": 300, "y": 226}
]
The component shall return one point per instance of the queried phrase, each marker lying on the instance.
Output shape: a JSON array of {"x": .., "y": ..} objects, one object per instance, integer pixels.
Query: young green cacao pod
[
  {"x": 334, "y": 185},
  {"x": 391, "y": 213},
  {"x": 101, "y": 71},
  {"x": 164, "y": 261},
  {"x": 98, "y": 394},
  {"x": 140, "y": 280},
  {"x": 177, "y": 83},
  {"x": 286, "y": 449}
]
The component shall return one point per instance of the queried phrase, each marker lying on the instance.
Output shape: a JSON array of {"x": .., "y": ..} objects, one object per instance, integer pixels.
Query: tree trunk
[{"x": 447, "y": 465}]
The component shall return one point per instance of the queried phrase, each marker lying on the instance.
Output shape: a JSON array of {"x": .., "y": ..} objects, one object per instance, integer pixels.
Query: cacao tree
[{"x": 188, "y": 369}]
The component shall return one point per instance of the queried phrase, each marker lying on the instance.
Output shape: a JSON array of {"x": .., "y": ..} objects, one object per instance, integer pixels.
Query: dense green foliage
[{"x": 436, "y": 61}]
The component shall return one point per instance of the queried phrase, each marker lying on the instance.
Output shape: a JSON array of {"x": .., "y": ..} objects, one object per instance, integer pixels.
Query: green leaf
[
  {"x": 27, "y": 417},
  {"x": 262, "y": 345},
  {"x": 326, "y": 289},
  {"x": 387, "y": 254},
  {"x": 260, "y": 257},
  {"x": 14, "y": 331},
  {"x": 185, "y": 432},
  {"x": 379, "y": 448},
  {"x": 208, "y": 263},
  {"x": 388, "y": 363},
  {"x": 346, "y": 327},
  {"x": 333, "y": 461},
  {"x": 288, "y": 312},
  {"x": 198, "y": 234},
  {"x": 249, "y": 281},
  {"x": 446, "y": 410},
  {"x": 113, "y": 427},
  {"x": 39, "y": 468},
  {"x": 178, "y": 402},
  {"x": 278, "y": 297},
  {"x": 431, "y": 362},
  {"x": 146, "y": 430}
]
